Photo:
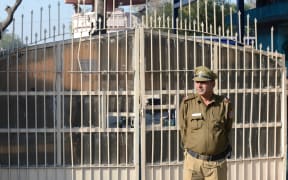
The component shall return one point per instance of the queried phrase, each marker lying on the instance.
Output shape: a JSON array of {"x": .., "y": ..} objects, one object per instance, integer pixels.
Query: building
[
  {"x": 276, "y": 18},
  {"x": 119, "y": 20}
]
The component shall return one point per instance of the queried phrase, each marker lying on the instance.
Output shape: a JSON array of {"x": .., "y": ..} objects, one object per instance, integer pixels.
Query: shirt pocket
[{"x": 195, "y": 122}]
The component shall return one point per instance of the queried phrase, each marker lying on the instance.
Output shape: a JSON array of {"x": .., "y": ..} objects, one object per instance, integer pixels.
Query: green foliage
[
  {"x": 9, "y": 41},
  {"x": 167, "y": 10},
  {"x": 184, "y": 12},
  {"x": 189, "y": 12},
  {"x": 163, "y": 11}
]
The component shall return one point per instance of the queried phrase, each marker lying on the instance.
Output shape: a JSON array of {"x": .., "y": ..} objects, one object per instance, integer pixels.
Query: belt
[{"x": 216, "y": 157}]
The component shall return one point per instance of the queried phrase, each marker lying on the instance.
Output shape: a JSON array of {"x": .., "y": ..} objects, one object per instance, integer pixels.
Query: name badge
[{"x": 195, "y": 115}]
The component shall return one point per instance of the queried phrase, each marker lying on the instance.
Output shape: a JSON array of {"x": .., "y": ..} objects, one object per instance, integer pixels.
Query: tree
[
  {"x": 9, "y": 41},
  {"x": 166, "y": 9},
  {"x": 210, "y": 12},
  {"x": 10, "y": 13}
]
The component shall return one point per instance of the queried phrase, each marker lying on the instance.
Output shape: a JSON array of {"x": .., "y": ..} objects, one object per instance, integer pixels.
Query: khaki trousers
[{"x": 197, "y": 169}]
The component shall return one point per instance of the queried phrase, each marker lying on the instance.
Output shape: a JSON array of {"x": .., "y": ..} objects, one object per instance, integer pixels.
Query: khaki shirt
[{"x": 205, "y": 129}]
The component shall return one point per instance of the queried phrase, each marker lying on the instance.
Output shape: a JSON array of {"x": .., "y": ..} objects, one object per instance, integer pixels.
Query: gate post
[
  {"x": 139, "y": 103},
  {"x": 136, "y": 104},
  {"x": 142, "y": 104}
]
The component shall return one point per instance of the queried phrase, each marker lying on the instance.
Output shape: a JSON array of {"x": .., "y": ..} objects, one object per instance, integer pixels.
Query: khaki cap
[{"x": 202, "y": 73}]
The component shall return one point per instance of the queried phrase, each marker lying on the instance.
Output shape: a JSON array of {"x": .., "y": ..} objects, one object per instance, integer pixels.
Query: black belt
[{"x": 216, "y": 157}]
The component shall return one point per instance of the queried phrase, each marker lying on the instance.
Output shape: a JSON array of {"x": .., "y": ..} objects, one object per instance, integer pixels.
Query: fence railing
[{"x": 104, "y": 105}]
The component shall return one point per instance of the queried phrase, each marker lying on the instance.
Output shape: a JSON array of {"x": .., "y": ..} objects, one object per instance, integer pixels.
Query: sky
[{"x": 25, "y": 8}]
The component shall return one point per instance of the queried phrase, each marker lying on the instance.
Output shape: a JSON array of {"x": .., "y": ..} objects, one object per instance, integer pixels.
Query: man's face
[{"x": 204, "y": 88}]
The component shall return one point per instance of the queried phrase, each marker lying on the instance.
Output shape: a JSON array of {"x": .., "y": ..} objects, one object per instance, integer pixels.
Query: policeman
[{"x": 205, "y": 125}]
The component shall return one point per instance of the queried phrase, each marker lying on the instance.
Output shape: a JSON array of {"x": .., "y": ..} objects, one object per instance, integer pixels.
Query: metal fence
[{"x": 105, "y": 106}]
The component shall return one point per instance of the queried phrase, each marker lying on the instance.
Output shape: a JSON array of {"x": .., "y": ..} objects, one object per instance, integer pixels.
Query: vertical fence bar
[
  {"x": 81, "y": 71},
  {"x": 90, "y": 105},
  {"x": 223, "y": 24},
  {"x": 198, "y": 18},
  {"x": 202, "y": 44},
  {"x": 60, "y": 133},
  {"x": 214, "y": 18},
  {"x": 117, "y": 101},
  {"x": 26, "y": 95},
  {"x": 194, "y": 44},
  {"x": 41, "y": 12},
  {"x": 17, "y": 116},
  {"x": 169, "y": 93},
  {"x": 177, "y": 103},
  {"x": 256, "y": 34},
  {"x": 272, "y": 39},
  {"x": 126, "y": 70},
  {"x": 59, "y": 17},
  {"x": 251, "y": 104},
  {"x": 260, "y": 103},
  {"x": 8, "y": 115},
  {"x": 154, "y": 19},
  {"x": 57, "y": 106},
  {"x": 231, "y": 22},
  {"x": 152, "y": 103},
  {"x": 211, "y": 45},
  {"x": 178, "y": 73},
  {"x": 247, "y": 31},
  {"x": 186, "y": 62},
  {"x": 36, "y": 72},
  {"x": 239, "y": 26},
  {"x": 49, "y": 20},
  {"x": 13, "y": 35},
  {"x": 108, "y": 103},
  {"x": 228, "y": 66},
  {"x": 218, "y": 64},
  {"x": 70, "y": 108},
  {"x": 181, "y": 13},
  {"x": 22, "y": 28},
  {"x": 189, "y": 17},
  {"x": 275, "y": 110},
  {"x": 284, "y": 114},
  {"x": 244, "y": 106},
  {"x": 236, "y": 103},
  {"x": 138, "y": 89},
  {"x": 31, "y": 35},
  {"x": 44, "y": 104},
  {"x": 104, "y": 14},
  {"x": 206, "y": 17},
  {"x": 163, "y": 20},
  {"x": 100, "y": 98},
  {"x": 139, "y": 96},
  {"x": 274, "y": 56},
  {"x": 153, "y": 107},
  {"x": 161, "y": 100},
  {"x": 267, "y": 113}
]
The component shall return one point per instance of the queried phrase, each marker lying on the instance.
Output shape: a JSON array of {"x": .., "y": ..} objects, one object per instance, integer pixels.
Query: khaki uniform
[{"x": 205, "y": 131}]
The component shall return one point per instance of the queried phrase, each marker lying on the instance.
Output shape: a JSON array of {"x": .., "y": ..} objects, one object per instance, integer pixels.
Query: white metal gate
[
  {"x": 105, "y": 106},
  {"x": 252, "y": 78}
]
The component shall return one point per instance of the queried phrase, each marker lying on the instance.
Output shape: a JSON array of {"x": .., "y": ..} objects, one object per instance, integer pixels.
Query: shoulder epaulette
[{"x": 189, "y": 97}]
